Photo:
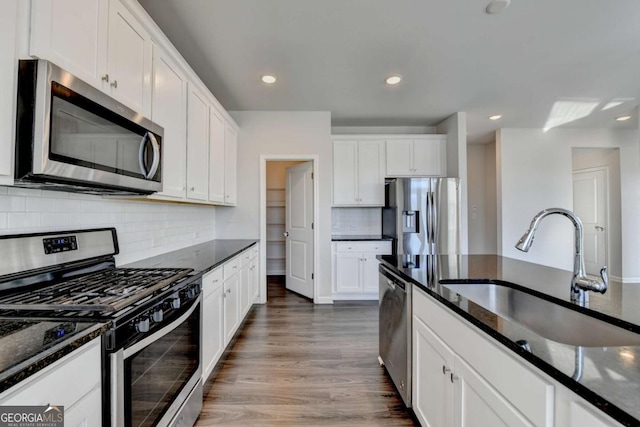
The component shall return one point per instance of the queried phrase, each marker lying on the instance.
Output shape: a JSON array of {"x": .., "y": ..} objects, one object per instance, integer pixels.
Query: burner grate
[{"x": 108, "y": 290}]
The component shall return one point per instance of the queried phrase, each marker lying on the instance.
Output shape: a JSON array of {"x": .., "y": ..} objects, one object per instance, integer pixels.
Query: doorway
[
  {"x": 597, "y": 202},
  {"x": 288, "y": 214}
]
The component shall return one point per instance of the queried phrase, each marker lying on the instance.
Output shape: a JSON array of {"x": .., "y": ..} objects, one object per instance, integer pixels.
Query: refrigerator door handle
[
  {"x": 428, "y": 223},
  {"x": 435, "y": 203}
]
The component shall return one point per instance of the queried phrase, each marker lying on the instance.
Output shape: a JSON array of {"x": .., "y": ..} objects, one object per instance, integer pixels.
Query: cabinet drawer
[
  {"x": 382, "y": 247},
  {"x": 211, "y": 281},
  {"x": 231, "y": 267},
  {"x": 63, "y": 383},
  {"x": 245, "y": 257},
  {"x": 254, "y": 251}
]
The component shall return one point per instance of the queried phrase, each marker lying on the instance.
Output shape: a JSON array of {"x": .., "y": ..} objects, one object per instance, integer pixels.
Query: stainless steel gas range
[{"x": 151, "y": 352}]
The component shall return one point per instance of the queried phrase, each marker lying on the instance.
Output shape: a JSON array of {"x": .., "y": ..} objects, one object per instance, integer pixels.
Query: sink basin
[{"x": 545, "y": 318}]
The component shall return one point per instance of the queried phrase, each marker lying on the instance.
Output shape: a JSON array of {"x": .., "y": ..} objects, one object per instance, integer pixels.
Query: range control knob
[
  {"x": 191, "y": 292},
  {"x": 157, "y": 315},
  {"x": 174, "y": 303},
  {"x": 142, "y": 325}
]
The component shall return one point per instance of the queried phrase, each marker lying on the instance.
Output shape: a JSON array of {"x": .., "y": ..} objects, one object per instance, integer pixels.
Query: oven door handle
[{"x": 129, "y": 351}]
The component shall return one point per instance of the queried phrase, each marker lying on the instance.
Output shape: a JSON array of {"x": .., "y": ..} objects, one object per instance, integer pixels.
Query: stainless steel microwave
[{"x": 72, "y": 137}]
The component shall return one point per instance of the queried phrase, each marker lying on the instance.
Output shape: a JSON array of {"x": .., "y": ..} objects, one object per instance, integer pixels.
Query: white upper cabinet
[
  {"x": 230, "y": 165},
  {"x": 8, "y": 67},
  {"x": 114, "y": 46},
  {"x": 197, "y": 145},
  {"x": 129, "y": 60},
  {"x": 99, "y": 41},
  {"x": 170, "y": 112},
  {"x": 358, "y": 172},
  {"x": 73, "y": 35},
  {"x": 216, "y": 157},
  {"x": 418, "y": 156}
]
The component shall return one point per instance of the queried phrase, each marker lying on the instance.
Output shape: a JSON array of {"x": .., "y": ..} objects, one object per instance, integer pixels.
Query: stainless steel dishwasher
[{"x": 395, "y": 330}]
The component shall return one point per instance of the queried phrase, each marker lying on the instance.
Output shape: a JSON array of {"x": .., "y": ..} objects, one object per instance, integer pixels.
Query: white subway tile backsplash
[
  {"x": 144, "y": 228},
  {"x": 12, "y": 204},
  {"x": 16, "y": 191},
  {"x": 22, "y": 220},
  {"x": 354, "y": 221}
]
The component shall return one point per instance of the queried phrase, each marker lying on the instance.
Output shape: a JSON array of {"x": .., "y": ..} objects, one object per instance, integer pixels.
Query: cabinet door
[
  {"x": 245, "y": 290},
  {"x": 432, "y": 387},
  {"x": 130, "y": 54},
  {"x": 231, "y": 307},
  {"x": 216, "y": 157},
  {"x": 212, "y": 330},
  {"x": 398, "y": 159},
  {"x": 8, "y": 67},
  {"x": 230, "y": 166},
  {"x": 255, "y": 279},
  {"x": 345, "y": 173},
  {"x": 478, "y": 403},
  {"x": 371, "y": 173},
  {"x": 73, "y": 35},
  {"x": 197, "y": 145},
  {"x": 428, "y": 157},
  {"x": 370, "y": 274},
  {"x": 85, "y": 412},
  {"x": 170, "y": 112},
  {"x": 348, "y": 272}
]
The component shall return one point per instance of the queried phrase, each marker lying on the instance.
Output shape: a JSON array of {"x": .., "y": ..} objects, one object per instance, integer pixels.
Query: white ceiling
[{"x": 334, "y": 55}]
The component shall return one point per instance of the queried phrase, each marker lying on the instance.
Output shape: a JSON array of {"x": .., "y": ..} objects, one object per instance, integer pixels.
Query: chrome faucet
[{"x": 580, "y": 283}]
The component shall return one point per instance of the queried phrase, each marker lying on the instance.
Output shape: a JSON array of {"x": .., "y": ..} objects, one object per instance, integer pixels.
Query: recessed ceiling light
[
  {"x": 268, "y": 79},
  {"x": 623, "y": 118},
  {"x": 497, "y": 6},
  {"x": 393, "y": 80},
  {"x": 495, "y": 117}
]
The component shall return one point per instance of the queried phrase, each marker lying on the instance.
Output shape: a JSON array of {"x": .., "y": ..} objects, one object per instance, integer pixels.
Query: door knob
[
  {"x": 286, "y": 234},
  {"x": 598, "y": 228}
]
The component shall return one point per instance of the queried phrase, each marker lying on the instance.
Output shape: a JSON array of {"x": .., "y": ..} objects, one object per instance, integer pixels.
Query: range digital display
[{"x": 60, "y": 244}]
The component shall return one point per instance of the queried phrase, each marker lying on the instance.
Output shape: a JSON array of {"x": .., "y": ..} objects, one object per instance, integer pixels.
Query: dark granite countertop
[
  {"x": 358, "y": 237},
  {"x": 28, "y": 346},
  {"x": 611, "y": 375},
  {"x": 202, "y": 257}
]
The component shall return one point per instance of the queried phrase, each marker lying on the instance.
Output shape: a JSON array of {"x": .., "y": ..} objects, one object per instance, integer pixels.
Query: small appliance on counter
[
  {"x": 155, "y": 318},
  {"x": 72, "y": 137}
]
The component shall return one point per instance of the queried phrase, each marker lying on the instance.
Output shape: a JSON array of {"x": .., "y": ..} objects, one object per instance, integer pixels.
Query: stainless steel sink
[{"x": 545, "y": 318}]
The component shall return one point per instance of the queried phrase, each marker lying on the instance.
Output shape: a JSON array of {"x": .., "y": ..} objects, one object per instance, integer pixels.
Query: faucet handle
[{"x": 605, "y": 279}]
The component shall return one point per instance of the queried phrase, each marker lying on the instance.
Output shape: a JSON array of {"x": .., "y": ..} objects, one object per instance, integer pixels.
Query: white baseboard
[
  {"x": 323, "y": 300},
  {"x": 355, "y": 296}
]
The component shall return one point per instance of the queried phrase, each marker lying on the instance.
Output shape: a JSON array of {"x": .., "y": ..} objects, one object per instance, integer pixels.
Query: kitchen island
[{"x": 608, "y": 377}]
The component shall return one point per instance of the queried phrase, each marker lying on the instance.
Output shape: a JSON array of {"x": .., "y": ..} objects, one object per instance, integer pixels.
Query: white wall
[
  {"x": 382, "y": 130},
  {"x": 585, "y": 158},
  {"x": 481, "y": 177},
  {"x": 534, "y": 172},
  {"x": 144, "y": 228},
  {"x": 456, "y": 129},
  {"x": 281, "y": 133}
]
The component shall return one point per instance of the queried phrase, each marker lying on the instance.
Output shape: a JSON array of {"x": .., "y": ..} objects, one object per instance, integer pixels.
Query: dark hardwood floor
[{"x": 299, "y": 364}]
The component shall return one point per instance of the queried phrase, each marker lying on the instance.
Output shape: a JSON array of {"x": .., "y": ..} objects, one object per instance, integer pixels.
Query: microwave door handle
[
  {"x": 155, "y": 164},
  {"x": 141, "y": 152}
]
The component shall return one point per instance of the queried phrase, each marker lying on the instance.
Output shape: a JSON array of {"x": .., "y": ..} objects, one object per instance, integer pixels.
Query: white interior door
[
  {"x": 590, "y": 204},
  {"x": 299, "y": 229}
]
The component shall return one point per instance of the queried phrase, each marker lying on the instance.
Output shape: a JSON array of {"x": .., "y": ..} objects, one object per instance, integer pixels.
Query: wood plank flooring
[{"x": 299, "y": 364}]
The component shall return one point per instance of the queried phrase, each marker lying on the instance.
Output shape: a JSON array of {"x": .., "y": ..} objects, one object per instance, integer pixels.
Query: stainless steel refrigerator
[{"x": 422, "y": 215}]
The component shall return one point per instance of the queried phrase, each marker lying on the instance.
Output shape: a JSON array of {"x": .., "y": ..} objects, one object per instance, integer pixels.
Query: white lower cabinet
[
  {"x": 355, "y": 268},
  {"x": 212, "y": 321},
  {"x": 231, "y": 306},
  {"x": 227, "y": 295},
  {"x": 460, "y": 379},
  {"x": 74, "y": 382}
]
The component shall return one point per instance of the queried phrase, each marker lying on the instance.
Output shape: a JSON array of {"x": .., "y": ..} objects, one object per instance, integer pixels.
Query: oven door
[{"x": 157, "y": 381}]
